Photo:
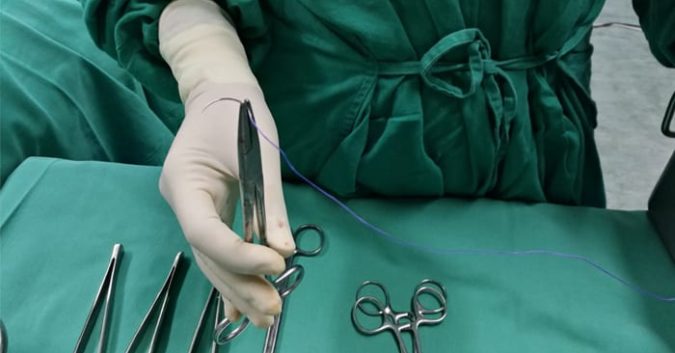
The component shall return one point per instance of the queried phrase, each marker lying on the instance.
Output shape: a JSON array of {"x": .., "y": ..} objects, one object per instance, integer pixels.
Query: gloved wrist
[{"x": 201, "y": 45}]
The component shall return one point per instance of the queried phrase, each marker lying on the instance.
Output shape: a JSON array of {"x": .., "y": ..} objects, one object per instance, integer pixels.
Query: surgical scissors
[
  {"x": 251, "y": 188},
  {"x": 397, "y": 322},
  {"x": 273, "y": 332}
]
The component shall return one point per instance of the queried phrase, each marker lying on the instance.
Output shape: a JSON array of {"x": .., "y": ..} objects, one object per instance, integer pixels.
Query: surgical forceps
[
  {"x": 161, "y": 304},
  {"x": 273, "y": 332},
  {"x": 372, "y": 305},
  {"x": 3, "y": 338},
  {"x": 213, "y": 297},
  {"x": 106, "y": 288},
  {"x": 251, "y": 187}
]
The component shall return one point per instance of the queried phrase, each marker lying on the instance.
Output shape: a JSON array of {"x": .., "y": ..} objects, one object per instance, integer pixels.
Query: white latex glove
[{"x": 200, "y": 175}]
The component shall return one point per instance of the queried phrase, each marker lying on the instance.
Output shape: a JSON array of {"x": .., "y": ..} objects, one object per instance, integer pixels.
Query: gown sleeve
[
  {"x": 657, "y": 18},
  {"x": 127, "y": 30}
]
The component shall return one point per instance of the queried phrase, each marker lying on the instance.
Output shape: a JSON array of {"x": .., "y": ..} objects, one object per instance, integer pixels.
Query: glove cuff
[{"x": 200, "y": 45}]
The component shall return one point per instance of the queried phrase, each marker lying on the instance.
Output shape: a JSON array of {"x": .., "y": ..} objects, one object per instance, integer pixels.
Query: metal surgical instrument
[
  {"x": 373, "y": 305},
  {"x": 286, "y": 283},
  {"x": 3, "y": 338},
  {"x": 212, "y": 297},
  {"x": 219, "y": 314},
  {"x": 160, "y": 303},
  {"x": 273, "y": 332},
  {"x": 251, "y": 187},
  {"x": 106, "y": 289},
  {"x": 251, "y": 182}
]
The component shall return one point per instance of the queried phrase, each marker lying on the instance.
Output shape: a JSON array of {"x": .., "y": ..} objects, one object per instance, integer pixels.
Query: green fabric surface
[
  {"x": 62, "y": 97},
  {"x": 59, "y": 220}
]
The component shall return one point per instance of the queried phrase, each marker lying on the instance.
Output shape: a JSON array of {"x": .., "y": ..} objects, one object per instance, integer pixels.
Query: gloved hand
[{"x": 199, "y": 179}]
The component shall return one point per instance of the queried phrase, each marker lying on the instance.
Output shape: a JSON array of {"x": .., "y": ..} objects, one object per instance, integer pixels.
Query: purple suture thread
[{"x": 458, "y": 251}]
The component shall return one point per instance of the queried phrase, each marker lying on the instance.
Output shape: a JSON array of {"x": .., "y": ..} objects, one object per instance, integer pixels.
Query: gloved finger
[
  {"x": 254, "y": 290},
  {"x": 227, "y": 290},
  {"x": 279, "y": 235},
  {"x": 196, "y": 204},
  {"x": 231, "y": 313},
  {"x": 226, "y": 204}
]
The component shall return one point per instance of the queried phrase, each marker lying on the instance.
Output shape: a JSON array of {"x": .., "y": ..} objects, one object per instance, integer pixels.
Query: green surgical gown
[
  {"x": 466, "y": 98},
  {"x": 445, "y": 97}
]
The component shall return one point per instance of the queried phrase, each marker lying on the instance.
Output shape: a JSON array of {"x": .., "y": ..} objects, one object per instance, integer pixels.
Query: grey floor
[{"x": 631, "y": 90}]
